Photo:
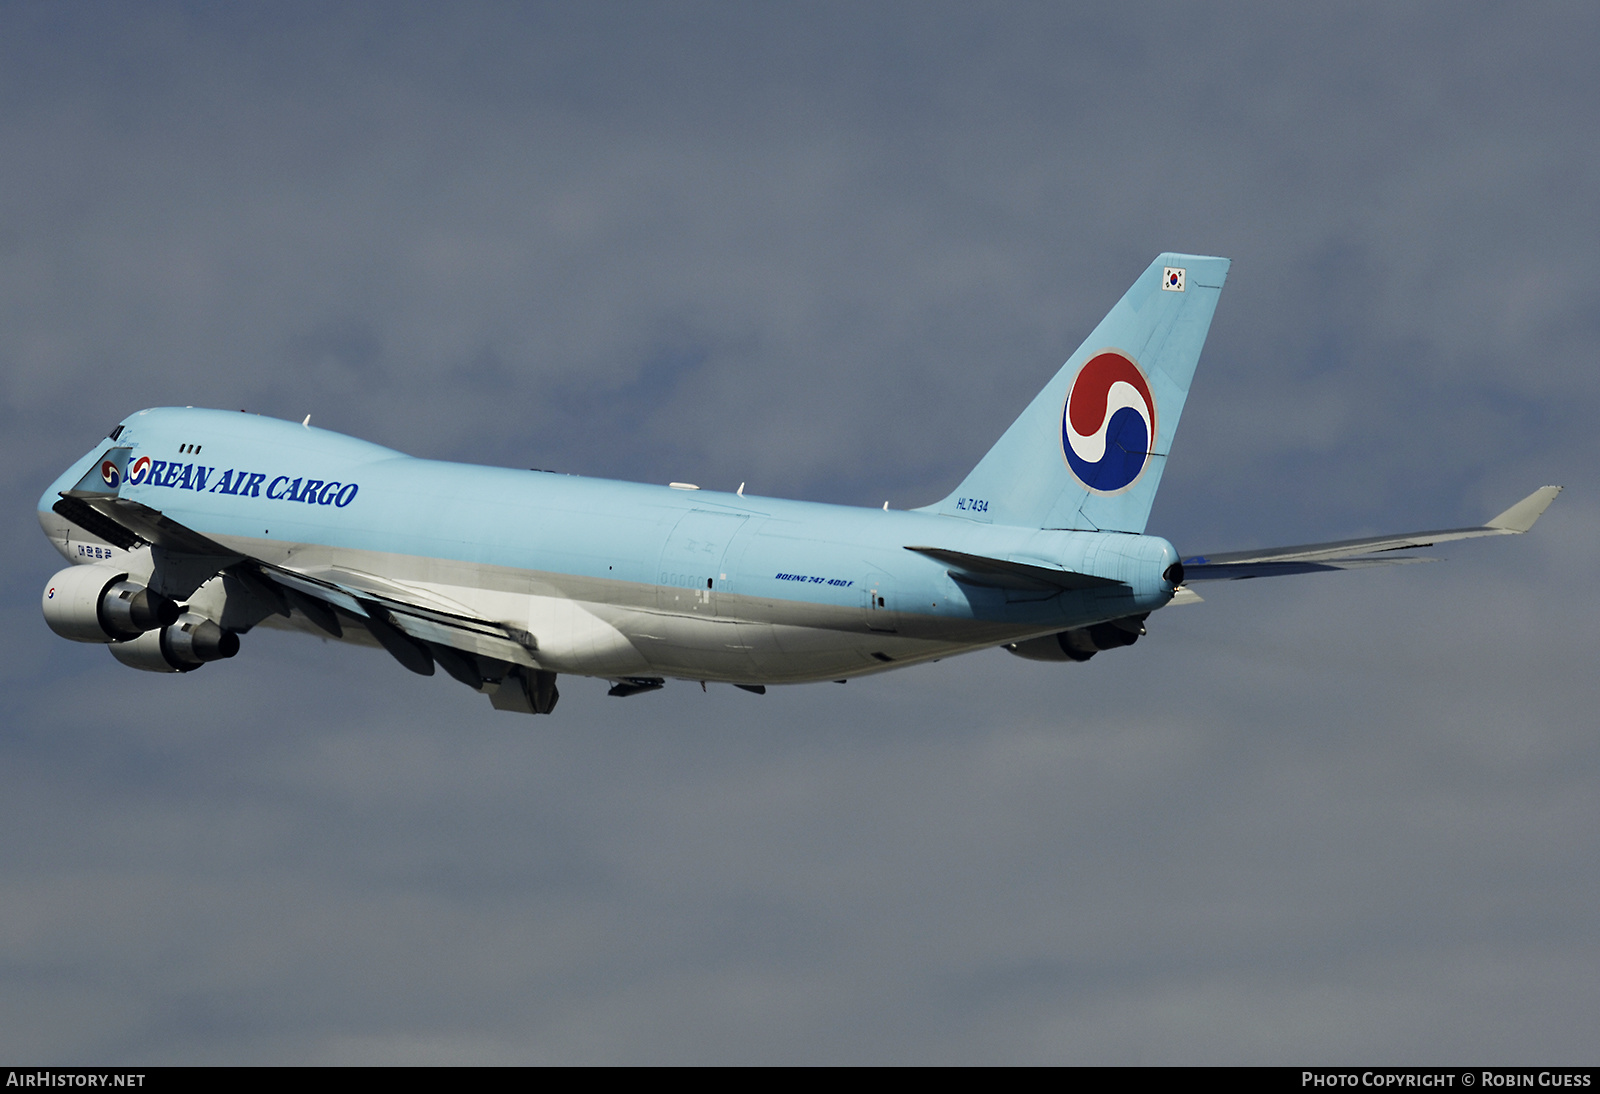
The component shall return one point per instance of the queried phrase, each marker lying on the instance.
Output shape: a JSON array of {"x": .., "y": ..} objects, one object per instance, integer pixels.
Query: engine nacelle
[
  {"x": 100, "y": 604},
  {"x": 184, "y": 646},
  {"x": 1081, "y": 643}
]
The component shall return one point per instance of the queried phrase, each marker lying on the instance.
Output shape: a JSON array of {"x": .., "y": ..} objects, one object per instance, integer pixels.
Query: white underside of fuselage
[
  {"x": 616, "y": 640},
  {"x": 603, "y": 628}
]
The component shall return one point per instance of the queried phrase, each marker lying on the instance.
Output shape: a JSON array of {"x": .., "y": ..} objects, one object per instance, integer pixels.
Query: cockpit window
[{"x": 115, "y": 433}]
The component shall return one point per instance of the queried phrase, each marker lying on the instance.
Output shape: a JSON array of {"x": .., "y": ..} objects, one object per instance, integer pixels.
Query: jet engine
[
  {"x": 1081, "y": 643},
  {"x": 100, "y": 604},
  {"x": 183, "y": 646}
]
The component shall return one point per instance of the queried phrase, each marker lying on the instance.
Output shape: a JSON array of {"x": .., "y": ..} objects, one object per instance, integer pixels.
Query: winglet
[
  {"x": 104, "y": 478},
  {"x": 1520, "y": 517}
]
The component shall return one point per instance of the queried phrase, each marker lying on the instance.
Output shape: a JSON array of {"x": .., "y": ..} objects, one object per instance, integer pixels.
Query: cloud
[{"x": 832, "y": 253}]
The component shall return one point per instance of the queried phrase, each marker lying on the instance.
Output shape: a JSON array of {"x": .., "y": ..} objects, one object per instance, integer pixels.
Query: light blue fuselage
[{"x": 618, "y": 579}]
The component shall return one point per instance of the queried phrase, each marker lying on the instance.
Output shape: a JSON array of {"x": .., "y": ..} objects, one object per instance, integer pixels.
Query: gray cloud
[{"x": 830, "y": 252}]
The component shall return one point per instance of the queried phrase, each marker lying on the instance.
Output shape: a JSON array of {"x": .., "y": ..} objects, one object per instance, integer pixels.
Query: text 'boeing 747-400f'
[{"x": 190, "y": 527}]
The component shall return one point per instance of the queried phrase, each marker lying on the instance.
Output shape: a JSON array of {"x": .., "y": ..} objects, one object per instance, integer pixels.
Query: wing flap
[
  {"x": 157, "y": 529},
  {"x": 186, "y": 559},
  {"x": 441, "y": 621},
  {"x": 1235, "y": 571},
  {"x": 469, "y": 639},
  {"x": 96, "y": 523}
]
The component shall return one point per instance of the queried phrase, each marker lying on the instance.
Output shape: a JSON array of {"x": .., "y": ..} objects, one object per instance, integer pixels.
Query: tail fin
[{"x": 1088, "y": 452}]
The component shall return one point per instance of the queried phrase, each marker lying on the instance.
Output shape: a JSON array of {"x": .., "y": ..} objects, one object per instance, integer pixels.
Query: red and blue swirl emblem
[
  {"x": 1109, "y": 423},
  {"x": 109, "y": 473},
  {"x": 139, "y": 470}
]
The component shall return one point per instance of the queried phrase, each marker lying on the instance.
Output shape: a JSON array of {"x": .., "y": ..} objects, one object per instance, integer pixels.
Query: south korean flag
[{"x": 1172, "y": 278}]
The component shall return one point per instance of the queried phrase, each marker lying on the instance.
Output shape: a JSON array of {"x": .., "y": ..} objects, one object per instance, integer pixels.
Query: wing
[
  {"x": 1352, "y": 554},
  {"x": 385, "y": 606},
  {"x": 416, "y": 625}
]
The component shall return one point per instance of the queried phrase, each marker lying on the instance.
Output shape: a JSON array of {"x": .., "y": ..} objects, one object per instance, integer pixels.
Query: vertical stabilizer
[{"x": 1088, "y": 452}]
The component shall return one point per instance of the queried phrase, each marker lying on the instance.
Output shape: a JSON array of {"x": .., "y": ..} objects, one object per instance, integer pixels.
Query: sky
[{"x": 830, "y": 250}]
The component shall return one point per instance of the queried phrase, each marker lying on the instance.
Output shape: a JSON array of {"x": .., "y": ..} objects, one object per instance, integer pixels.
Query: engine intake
[{"x": 100, "y": 604}]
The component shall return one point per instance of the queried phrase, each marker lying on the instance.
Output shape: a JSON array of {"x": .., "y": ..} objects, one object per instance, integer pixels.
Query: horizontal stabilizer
[
  {"x": 1351, "y": 554},
  {"x": 1006, "y": 574}
]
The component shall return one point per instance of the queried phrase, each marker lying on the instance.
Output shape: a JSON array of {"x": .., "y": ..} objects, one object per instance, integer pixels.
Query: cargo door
[
  {"x": 880, "y": 609},
  {"x": 691, "y": 566}
]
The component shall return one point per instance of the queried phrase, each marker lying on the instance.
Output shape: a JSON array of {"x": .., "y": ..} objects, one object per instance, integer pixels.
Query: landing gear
[
  {"x": 634, "y": 685},
  {"x": 526, "y": 691}
]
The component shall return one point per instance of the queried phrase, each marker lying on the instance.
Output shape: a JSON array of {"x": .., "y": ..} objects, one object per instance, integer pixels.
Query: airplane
[{"x": 188, "y": 528}]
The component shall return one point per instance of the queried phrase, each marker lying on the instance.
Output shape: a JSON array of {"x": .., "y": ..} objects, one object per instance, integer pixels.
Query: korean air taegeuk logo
[{"x": 1108, "y": 423}]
